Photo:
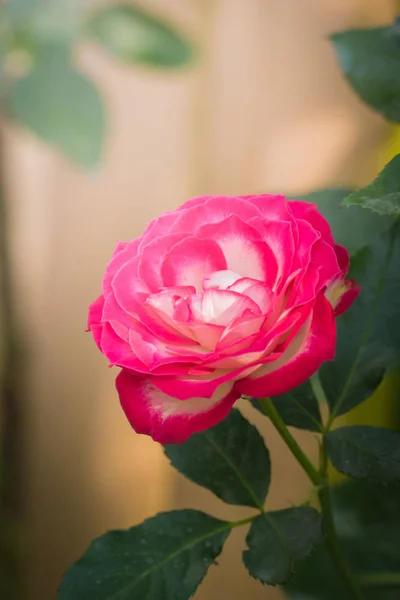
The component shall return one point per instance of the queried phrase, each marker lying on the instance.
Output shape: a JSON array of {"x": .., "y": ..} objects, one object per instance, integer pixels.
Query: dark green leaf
[
  {"x": 230, "y": 459},
  {"x": 368, "y": 524},
  {"x": 383, "y": 194},
  {"x": 164, "y": 558},
  {"x": 61, "y": 107},
  {"x": 277, "y": 539},
  {"x": 135, "y": 36},
  {"x": 368, "y": 333},
  {"x": 370, "y": 59},
  {"x": 365, "y": 451},
  {"x": 298, "y": 408},
  {"x": 352, "y": 227}
]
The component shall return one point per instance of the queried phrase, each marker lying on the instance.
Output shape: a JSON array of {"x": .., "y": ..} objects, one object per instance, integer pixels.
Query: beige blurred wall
[{"x": 264, "y": 109}]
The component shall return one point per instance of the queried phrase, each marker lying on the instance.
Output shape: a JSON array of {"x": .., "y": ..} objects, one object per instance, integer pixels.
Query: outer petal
[
  {"x": 309, "y": 212},
  {"x": 314, "y": 344},
  {"x": 94, "y": 319},
  {"x": 122, "y": 254},
  {"x": 212, "y": 210},
  {"x": 165, "y": 419},
  {"x": 271, "y": 206}
]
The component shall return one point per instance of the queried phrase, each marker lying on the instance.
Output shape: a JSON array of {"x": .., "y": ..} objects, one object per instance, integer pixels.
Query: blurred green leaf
[
  {"x": 352, "y": 227},
  {"x": 230, "y": 459},
  {"x": 21, "y": 11},
  {"x": 133, "y": 35},
  {"x": 276, "y": 540},
  {"x": 365, "y": 451},
  {"x": 368, "y": 338},
  {"x": 368, "y": 524},
  {"x": 62, "y": 107},
  {"x": 298, "y": 408},
  {"x": 383, "y": 194},
  {"x": 370, "y": 59},
  {"x": 164, "y": 558}
]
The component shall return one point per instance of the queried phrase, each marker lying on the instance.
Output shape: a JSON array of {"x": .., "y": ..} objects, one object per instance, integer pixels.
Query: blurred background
[{"x": 110, "y": 115}]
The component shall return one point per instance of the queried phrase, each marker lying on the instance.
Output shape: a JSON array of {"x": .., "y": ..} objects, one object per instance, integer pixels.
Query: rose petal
[
  {"x": 244, "y": 249},
  {"x": 94, "y": 319},
  {"x": 165, "y": 419},
  {"x": 189, "y": 261},
  {"x": 122, "y": 254},
  {"x": 314, "y": 344},
  {"x": 309, "y": 212}
]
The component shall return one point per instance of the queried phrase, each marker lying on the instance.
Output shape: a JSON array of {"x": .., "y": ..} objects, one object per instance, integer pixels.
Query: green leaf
[
  {"x": 164, "y": 558},
  {"x": 21, "y": 11},
  {"x": 133, "y": 35},
  {"x": 276, "y": 540},
  {"x": 370, "y": 59},
  {"x": 368, "y": 524},
  {"x": 368, "y": 333},
  {"x": 298, "y": 408},
  {"x": 365, "y": 451},
  {"x": 61, "y": 107},
  {"x": 352, "y": 227},
  {"x": 383, "y": 194},
  {"x": 230, "y": 459}
]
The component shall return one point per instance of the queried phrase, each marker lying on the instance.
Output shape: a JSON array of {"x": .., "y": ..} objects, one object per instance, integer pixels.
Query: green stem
[
  {"x": 331, "y": 537},
  {"x": 380, "y": 579},
  {"x": 319, "y": 479},
  {"x": 271, "y": 412}
]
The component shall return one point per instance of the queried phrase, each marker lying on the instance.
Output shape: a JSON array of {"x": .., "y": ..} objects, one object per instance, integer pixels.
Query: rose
[{"x": 222, "y": 297}]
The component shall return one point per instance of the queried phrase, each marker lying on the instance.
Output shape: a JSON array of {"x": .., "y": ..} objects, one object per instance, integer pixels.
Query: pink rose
[{"x": 222, "y": 297}]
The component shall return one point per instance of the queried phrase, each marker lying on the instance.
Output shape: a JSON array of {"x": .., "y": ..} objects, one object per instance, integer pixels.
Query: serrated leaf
[
  {"x": 298, "y": 408},
  {"x": 368, "y": 525},
  {"x": 133, "y": 35},
  {"x": 164, "y": 558},
  {"x": 368, "y": 333},
  {"x": 61, "y": 106},
  {"x": 370, "y": 59},
  {"x": 383, "y": 194},
  {"x": 352, "y": 227},
  {"x": 229, "y": 459},
  {"x": 276, "y": 540},
  {"x": 365, "y": 451}
]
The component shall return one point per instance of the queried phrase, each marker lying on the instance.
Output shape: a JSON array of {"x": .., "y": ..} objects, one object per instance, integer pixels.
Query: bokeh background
[{"x": 260, "y": 107}]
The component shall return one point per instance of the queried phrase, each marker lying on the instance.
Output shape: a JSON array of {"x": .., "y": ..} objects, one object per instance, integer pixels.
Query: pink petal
[
  {"x": 193, "y": 386},
  {"x": 159, "y": 227},
  {"x": 314, "y": 344},
  {"x": 256, "y": 291},
  {"x": 343, "y": 258},
  {"x": 152, "y": 257},
  {"x": 123, "y": 253},
  {"x": 213, "y": 210},
  {"x": 221, "y": 307},
  {"x": 190, "y": 260},
  {"x": 165, "y": 419},
  {"x": 270, "y": 206},
  {"x": 278, "y": 235},
  {"x": 154, "y": 353},
  {"x": 220, "y": 280},
  {"x": 347, "y": 298},
  {"x": 245, "y": 252},
  {"x": 129, "y": 290},
  {"x": 94, "y": 319},
  {"x": 119, "y": 352},
  {"x": 309, "y": 212}
]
